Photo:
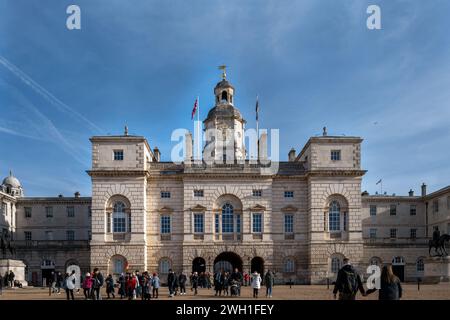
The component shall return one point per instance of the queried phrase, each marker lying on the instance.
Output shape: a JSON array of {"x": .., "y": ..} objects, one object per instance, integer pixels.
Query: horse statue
[{"x": 439, "y": 245}]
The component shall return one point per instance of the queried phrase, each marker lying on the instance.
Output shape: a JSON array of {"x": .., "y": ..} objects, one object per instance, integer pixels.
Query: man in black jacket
[
  {"x": 348, "y": 282},
  {"x": 171, "y": 283}
]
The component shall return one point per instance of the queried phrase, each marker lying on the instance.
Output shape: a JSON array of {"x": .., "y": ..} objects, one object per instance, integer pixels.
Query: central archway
[
  {"x": 227, "y": 261},
  {"x": 198, "y": 265},
  {"x": 257, "y": 264}
]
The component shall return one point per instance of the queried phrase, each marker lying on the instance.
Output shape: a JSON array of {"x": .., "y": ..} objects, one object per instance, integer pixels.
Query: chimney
[
  {"x": 411, "y": 193},
  {"x": 324, "y": 133},
  {"x": 60, "y": 196},
  {"x": 424, "y": 189},
  {"x": 292, "y": 155},
  {"x": 77, "y": 194},
  {"x": 188, "y": 141},
  {"x": 157, "y": 154}
]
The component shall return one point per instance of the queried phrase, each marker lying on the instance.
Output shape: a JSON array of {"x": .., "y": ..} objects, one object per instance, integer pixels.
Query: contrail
[{"x": 47, "y": 95}]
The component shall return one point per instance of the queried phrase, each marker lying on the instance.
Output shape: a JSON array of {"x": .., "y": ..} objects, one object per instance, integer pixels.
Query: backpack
[{"x": 350, "y": 284}]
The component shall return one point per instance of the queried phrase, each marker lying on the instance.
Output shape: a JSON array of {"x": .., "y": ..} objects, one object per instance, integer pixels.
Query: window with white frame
[
  {"x": 393, "y": 233},
  {"x": 334, "y": 217},
  {"x": 165, "y": 224},
  {"x": 227, "y": 218},
  {"x": 70, "y": 211},
  {"x": 435, "y": 206},
  {"x": 289, "y": 223},
  {"x": 164, "y": 266},
  {"x": 70, "y": 235},
  {"x": 335, "y": 155},
  {"x": 373, "y": 233},
  {"x": 413, "y": 233},
  {"x": 289, "y": 265},
  {"x": 256, "y": 222},
  {"x": 336, "y": 264},
  {"x": 198, "y": 193},
  {"x": 420, "y": 266},
  {"x": 28, "y": 211},
  {"x": 118, "y": 266},
  {"x": 216, "y": 224},
  {"x": 257, "y": 192},
  {"x": 412, "y": 210},
  {"x": 373, "y": 210},
  {"x": 4, "y": 208},
  {"x": 289, "y": 194},
  {"x": 49, "y": 212},
  {"x": 199, "y": 222},
  {"x": 118, "y": 155},
  {"x": 119, "y": 218}
]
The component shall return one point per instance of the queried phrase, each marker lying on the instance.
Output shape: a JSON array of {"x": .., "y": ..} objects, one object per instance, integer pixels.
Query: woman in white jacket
[{"x": 256, "y": 283}]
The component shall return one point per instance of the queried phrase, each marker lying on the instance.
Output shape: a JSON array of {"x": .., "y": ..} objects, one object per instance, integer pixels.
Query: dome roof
[
  {"x": 224, "y": 111},
  {"x": 224, "y": 84},
  {"x": 11, "y": 181}
]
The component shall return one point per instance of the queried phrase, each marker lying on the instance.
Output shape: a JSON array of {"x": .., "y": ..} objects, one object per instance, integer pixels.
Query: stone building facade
[{"x": 228, "y": 212}]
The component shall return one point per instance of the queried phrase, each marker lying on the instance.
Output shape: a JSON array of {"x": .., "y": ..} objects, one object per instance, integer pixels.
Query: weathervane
[{"x": 224, "y": 71}]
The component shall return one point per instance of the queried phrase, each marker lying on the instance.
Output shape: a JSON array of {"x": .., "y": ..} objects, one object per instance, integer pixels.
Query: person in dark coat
[
  {"x": 238, "y": 278},
  {"x": 348, "y": 282},
  {"x": 194, "y": 282},
  {"x": 390, "y": 286},
  {"x": 171, "y": 283},
  {"x": 122, "y": 283},
  {"x": 110, "y": 286},
  {"x": 182, "y": 282},
  {"x": 269, "y": 280},
  {"x": 218, "y": 280}
]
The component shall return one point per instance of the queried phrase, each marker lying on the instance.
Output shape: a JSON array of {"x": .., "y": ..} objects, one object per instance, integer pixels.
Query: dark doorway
[
  {"x": 227, "y": 261},
  {"x": 399, "y": 271},
  {"x": 198, "y": 265},
  {"x": 47, "y": 277},
  {"x": 257, "y": 265}
]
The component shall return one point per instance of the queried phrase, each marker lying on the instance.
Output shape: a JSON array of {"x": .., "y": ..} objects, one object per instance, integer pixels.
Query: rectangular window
[
  {"x": 289, "y": 194},
  {"x": 49, "y": 212},
  {"x": 335, "y": 155},
  {"x": 70, "y": 235},
  {"x": 108, "y": 222},
  {"x": 28, "y": 236},
  {"x": 165, "y": 194},
  {"x": 393, "y": 233},
  {"x": 238, "y": 223},
  {"x": 71, "y": 212},
  {"x": 373, "y": 210},
  {"x": 256, "y": 222},
  {"x": 412, "y": 210},
  {"x": 448, "y": 202},
  {"x": 89, "y": 211},
  {"x": 288, "y": 223},
  {"x": 198, "y": 193},
  {"x": 118, "y": 155},
  {"x": 198, "y": 223},
  {"x": 436, "y": 206},
  {"x": 216, "y": 224},
  {"x": 165, "y": 224},
  {"x": 129, "y": 222},
  {"x": 413, "y": 233},
  {"x": 257, "y": 193},
  {"x": 49, "y": 235},
  {"x": 372, "y": 233},
  {"x": 3, "y": 208},
  {"x": 344, "y": 222},
  {"x": 27, "y": 212},
  {"x": 393, "y": 210},
  {"x": 119, "y": 222}
]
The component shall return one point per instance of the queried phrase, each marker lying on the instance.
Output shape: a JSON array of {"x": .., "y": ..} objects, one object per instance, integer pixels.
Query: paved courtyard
[{"x": 316, "y": 292}]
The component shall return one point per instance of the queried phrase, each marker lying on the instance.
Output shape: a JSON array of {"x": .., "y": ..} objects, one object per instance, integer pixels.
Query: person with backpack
[
  {"x": 348, "y": 282},
  {"x": 390, "y": 287}
]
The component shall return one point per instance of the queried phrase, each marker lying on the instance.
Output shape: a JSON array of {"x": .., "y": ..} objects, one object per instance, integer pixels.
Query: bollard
[
  {"x": 328, "y": 284},
  {"x": 418, "y": 284}
]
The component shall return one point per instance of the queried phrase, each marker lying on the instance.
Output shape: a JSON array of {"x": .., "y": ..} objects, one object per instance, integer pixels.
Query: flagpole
[
  {"x": 257, "y": 128},
  {"x": 198, "y": 128}
]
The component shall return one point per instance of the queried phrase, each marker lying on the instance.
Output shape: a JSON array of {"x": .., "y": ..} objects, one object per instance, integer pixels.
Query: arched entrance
[
  {"x": 227, "y": 261},
  {"x": 257, "y": 264},
  {"x": 117, "y": 265},
  {"x": 398, "y": 267},
  {"x": 198, "y": 265}
]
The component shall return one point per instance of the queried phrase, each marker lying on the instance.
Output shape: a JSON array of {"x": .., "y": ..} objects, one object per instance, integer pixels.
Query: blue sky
[{"x": 313, "y": 64}]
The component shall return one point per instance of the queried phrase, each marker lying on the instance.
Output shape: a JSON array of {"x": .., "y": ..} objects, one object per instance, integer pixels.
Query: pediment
[
  {"x": 289, "y": 208},
  {"x": 198, "y": 208},
  {"x": 258, "y": 207},
  {"x": 165, "y": 210}
]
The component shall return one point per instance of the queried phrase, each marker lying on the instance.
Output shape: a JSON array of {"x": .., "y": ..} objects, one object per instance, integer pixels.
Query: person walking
[
  {"x": 156, "y": 283},
  {"x": 97, "y": 284},
  {"x": 110, "y": 286},
  {"x": 182, "y": 281},
  {"x": 256, "y": 283},
  {"x": 238, "y": 278},
  {"x": 147, "y": 286},
  {"x": 348, "y": 282},
  {"x": 131, "y": 286},
  {"x": 268, "y": 282},
  {"x": 390, "y": 286},
  {"x": 226, "y": 283},
  {"x": 122, "y": 284},
  {"x": 87, "y": 286},
  {"x": 218, "y": 282},
  {"x": 194, "y": 282},
  {"x": 59, "y": 282},
  {"x": 70, "y": 285},
  {"x": 171, "y": 283}
]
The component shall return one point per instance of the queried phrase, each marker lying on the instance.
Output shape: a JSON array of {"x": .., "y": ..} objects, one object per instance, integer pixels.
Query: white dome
[{"x": 12, "y": 182}]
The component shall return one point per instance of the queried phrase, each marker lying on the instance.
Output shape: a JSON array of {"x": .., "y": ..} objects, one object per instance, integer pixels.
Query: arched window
[
  {"x": 224, "y": 96},
  {"x": 420, "y": 267},
  {"x": 119, "y": 218},
  {"x": 164, "y": 266},
  {"x": 289, "y": 265},
  {"x": 227, "y": 218},
  {"x": 336, "y": 264},
  {"x": 334, "y": 216}
]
